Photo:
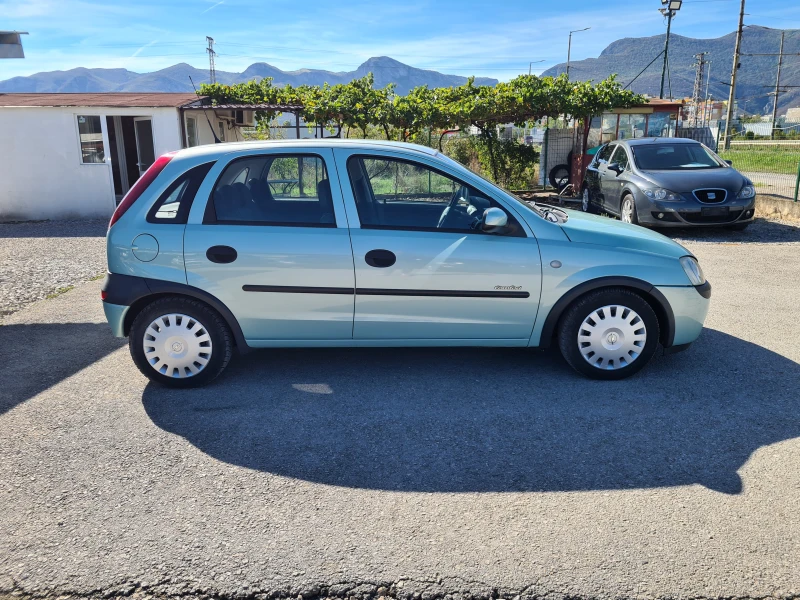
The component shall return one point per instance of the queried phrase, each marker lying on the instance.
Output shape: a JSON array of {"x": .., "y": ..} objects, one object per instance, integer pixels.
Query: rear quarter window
[{"x": 174, "y": 204}]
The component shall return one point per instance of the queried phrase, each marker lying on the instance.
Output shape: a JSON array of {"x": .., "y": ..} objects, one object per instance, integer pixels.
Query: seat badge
[{"x": 712, "y": 196}]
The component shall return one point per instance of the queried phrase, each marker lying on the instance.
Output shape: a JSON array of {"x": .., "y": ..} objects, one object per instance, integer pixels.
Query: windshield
[{"x": 674, "y": 157}]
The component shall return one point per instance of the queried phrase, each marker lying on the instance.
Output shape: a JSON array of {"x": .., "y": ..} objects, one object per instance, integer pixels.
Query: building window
[
  {"x": 90, "y": 134},
  {"x": 191, "y": 132},
  {"x": 609, "y": 128},
  {"x": 221, "y": 127}
]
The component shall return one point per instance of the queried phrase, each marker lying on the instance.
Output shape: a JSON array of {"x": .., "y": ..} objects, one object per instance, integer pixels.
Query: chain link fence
[{"x": 772, "y": 165}]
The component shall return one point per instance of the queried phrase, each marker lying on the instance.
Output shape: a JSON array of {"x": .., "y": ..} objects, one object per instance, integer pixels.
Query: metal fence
[{"x": 772, "y": 165}]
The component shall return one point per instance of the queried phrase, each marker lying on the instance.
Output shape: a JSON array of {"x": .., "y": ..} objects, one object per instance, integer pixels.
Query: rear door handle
[
  {"x": 380, "y": 258},
  {"x": 221, "y": 254}
]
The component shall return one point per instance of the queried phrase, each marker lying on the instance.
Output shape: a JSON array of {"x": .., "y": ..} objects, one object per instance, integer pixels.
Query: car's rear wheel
[
  {"x": 586, "y": 200},
  {"x": 180, "y": 342},
  {"x": 627, "y": 210},
  {"x": 609, "y": 334}
]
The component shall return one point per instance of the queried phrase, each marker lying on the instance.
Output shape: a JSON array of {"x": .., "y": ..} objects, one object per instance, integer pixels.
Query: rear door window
[
  {"x": 605, "y": 153},
  {"x": 289, "y": 190}
]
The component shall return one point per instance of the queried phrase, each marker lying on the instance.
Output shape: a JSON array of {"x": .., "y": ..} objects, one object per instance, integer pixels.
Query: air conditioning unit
[{"x": 244, "y": 118}]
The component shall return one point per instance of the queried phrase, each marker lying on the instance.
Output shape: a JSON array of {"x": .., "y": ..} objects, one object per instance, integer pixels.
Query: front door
[
  {"x": 424, "y": 268},
  {"x": 145, "y": 148},
  {"x": 613, "y": 181},
  {"x": 268, "y": 246}
]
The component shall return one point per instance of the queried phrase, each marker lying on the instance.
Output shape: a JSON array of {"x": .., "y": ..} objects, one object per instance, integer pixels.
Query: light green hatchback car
[{"x": 340, "y": 243}]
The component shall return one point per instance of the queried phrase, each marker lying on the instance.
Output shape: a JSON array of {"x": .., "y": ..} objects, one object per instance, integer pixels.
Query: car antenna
[{"x": 216, "y": 139}]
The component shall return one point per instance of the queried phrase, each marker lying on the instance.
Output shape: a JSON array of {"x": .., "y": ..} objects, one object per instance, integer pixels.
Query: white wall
[{"x": 41, "y": 174}]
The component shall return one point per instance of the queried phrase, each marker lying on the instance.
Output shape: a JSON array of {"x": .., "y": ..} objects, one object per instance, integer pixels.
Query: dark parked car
[{"x": 667, "y": 182}]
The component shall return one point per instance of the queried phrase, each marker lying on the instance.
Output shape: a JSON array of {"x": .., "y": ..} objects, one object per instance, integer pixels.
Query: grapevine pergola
[{"x": 359, "y": 104}]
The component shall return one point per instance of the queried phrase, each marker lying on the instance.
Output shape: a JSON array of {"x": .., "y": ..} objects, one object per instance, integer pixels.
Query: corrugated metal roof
[
  {"x": 108, "y": 99},
  {"x": 283, "y": 107}
]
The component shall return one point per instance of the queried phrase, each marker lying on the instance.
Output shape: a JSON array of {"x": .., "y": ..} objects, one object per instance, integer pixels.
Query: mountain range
[
  {"x": 625, "y": 57},
  {"x": 755, "y": 81},
  {"x": 176, "y": 78}
]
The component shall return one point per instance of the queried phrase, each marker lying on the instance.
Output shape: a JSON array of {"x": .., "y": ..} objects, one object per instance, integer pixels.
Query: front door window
[{"x": 399, "y": 194}]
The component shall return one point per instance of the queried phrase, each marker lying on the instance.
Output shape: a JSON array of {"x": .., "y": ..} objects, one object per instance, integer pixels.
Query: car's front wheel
[
  {"x": 609, "y": 334},
  {"x": 180, "y": 342},
  {"x": 628, "y": 210}
]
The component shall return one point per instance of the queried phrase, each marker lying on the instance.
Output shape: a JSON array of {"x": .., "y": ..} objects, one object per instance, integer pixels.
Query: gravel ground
[
  {"x": 414, "y": 473},
  {"x": 40, "y": 258}
]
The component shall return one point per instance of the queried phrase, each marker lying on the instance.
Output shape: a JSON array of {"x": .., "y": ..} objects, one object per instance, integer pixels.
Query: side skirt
[{"x": 394, "y": 343}]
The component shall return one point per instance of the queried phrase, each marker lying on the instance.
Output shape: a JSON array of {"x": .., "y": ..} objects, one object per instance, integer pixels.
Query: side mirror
[
  {"x": 494, "y": 219},
  {"x": 616, "y": 168},
  {"x": 730, "y": 163}
]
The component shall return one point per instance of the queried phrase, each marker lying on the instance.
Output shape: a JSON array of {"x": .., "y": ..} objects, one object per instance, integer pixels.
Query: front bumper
[
  {"x": 689, "y": 307},
  {"x": 690, "y": 213}
]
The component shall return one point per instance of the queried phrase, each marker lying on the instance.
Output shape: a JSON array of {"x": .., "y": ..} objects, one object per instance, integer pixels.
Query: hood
[
  {"x": 687, "y": 180},
  {"x": 601, "y": 231}
]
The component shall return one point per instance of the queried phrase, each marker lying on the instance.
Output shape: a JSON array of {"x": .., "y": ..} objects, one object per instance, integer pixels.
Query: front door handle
[
  {"x": 221, "y": 254},
  {"x": 380, "y": 258}
]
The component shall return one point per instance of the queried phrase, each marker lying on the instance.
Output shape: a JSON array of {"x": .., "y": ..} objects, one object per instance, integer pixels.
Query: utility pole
[
  {"x": 732, "y": 93},
  {"x": 212, "y": 71},
  {"x": 697, "y": 92},
  {"x": 777, "y": 89}
]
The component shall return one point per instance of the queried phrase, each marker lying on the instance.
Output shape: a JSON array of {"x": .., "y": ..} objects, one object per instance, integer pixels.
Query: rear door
[
  {"x": 596, "y": 173},
  {"x": 272, "y": 244},
  {"x": 424, "y": 271}
]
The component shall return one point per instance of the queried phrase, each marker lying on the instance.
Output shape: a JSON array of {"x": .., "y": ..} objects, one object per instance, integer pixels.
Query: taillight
[{"x": 140, "y": 186}]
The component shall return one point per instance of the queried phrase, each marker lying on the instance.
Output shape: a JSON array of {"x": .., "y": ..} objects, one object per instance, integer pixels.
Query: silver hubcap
[
  {"x": 612, "y": 337},
  {"x": 627, "y": 211},
  {"x": 177, "y": 346},
  {"x": 585, "y": 202}
]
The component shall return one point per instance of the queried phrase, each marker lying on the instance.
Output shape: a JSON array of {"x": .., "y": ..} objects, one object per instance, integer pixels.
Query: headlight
[
  {"x": 746, "y": 192},
  {"x": 693, "y": 271},
  {"x": 663, "y": 195}
]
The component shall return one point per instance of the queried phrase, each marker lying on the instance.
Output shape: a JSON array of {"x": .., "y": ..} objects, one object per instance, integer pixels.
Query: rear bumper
[
  {"x": 115, "y": 315},
  {"x": 689, "y": 306}
]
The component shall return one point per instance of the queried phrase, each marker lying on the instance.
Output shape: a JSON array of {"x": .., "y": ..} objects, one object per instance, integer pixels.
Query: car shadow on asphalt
[
  {"x": 490, "y": 420},
  {"x": 762, "y": 231},
  {"x": 34, "y": 357}
]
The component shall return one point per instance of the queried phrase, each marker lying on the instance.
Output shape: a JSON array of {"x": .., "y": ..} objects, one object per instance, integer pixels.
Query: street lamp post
[
  {"x": 569, "y": 46},
  {"x": 530, "y": 65},
  {"x": 670, "y": 9}
]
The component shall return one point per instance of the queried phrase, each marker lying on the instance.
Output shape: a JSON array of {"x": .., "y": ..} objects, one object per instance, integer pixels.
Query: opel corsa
[{"x": 342, "y": 243}]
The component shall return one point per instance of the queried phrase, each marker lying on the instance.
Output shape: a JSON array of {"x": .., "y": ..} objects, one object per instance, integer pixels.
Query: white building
[{"x": 75, "y": 155}]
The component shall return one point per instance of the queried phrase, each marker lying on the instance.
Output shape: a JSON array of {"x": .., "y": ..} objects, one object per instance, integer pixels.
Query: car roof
[
  {"x": 228, "y": 147},
  {"x": 655, "y": 140}
]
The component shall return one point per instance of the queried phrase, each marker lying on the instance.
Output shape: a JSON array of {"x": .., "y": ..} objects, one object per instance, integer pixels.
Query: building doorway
[{"x": 132, "y": 150}]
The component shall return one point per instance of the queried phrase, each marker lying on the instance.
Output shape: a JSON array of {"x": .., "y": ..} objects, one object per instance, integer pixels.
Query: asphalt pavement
[{"x": 415, "y": 473}]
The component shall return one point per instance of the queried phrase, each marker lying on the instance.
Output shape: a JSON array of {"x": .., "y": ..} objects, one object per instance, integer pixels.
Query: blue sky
[{"x": 496, "y": 39}]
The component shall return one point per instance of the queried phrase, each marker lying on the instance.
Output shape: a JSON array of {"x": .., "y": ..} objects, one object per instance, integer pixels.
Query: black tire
[
  {"x": 573, "y": 319},
  {"x": 559, "y": 177},
  {"x": 211, "y": 321},
  {"x": 634, "y": 214},
  {"x": 740, "y": 226},
  {"x": 587, "y": 207}
]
